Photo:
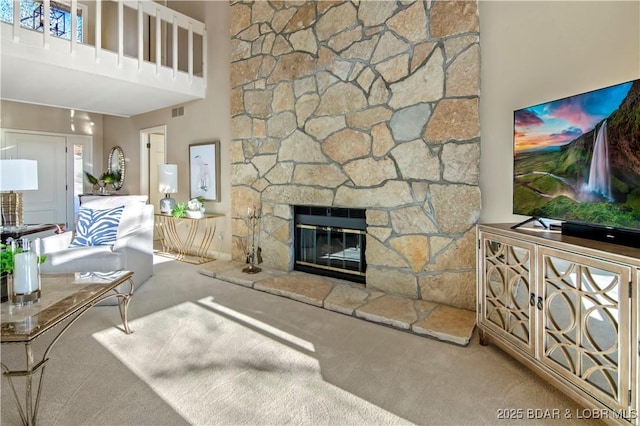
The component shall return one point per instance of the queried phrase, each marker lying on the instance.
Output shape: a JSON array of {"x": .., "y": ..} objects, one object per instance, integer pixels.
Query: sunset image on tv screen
[{"x": 578, "y": 158}]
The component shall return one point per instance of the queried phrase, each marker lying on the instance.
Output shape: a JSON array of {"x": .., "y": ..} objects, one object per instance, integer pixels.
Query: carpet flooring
[
  {"x": 214, "y": 366},
  {"x": 208, "y": 352}
]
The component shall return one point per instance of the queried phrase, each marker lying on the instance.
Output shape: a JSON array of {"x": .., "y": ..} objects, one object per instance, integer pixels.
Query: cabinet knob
[
  {"x": 539, "y": 303},
  {"x": 532, "y": 299}
]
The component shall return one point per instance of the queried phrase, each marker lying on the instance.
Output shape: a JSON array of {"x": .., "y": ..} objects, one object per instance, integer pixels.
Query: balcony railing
[{"x": 142, "y": 42}]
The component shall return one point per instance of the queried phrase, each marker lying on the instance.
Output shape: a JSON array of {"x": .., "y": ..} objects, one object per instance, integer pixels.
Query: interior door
[
  {"x": 51, "y": 202},
  {"x": 156, "y": 157}
]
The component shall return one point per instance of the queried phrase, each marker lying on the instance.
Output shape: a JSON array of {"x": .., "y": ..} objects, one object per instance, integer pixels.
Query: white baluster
[
  {"x": 98, "y": 35},
  {"x": 46, "y": 23}
]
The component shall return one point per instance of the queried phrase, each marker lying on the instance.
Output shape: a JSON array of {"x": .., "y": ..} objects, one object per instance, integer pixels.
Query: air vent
[{"x": 177, "y": 112}]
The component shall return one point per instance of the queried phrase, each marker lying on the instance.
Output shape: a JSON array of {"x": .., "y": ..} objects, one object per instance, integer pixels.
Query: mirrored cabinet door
[
  {"x": 508, "y": 282},
  {"x": 585, "y": 325},
  {"x": 635, "y": 342}
]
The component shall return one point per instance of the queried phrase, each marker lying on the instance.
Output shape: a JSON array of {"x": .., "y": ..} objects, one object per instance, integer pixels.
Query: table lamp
[
  {"x": 167, "y": 184},
  {"x": 16, "y": 175}
]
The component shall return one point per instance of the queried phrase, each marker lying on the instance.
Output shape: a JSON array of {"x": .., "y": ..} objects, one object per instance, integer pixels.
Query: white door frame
[{"x": 144, "y": 154}]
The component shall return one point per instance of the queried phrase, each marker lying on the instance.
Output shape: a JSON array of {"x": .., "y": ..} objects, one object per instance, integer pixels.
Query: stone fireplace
[{"x": 370, "y": 105}]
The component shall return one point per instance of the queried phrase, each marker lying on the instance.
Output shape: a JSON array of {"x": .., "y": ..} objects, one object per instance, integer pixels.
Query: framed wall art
[{"x": 204, "y": 170}]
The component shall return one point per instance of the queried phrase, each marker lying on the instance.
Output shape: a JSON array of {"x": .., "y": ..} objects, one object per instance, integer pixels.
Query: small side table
[{"x": 193, "y": 248}]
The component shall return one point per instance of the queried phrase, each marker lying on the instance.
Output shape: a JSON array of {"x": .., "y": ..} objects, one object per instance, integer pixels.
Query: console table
[
  {"x": 568, "y": 308},
  {"x": 65, "y": 298},
  {"x": 192, "y": 247}
]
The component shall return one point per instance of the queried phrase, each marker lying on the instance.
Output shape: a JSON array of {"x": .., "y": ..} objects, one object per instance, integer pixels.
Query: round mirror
[{"x": 115, "y": 165}]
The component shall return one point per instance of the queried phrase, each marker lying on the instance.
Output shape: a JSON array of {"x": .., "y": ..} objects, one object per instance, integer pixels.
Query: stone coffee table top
[
  {"x": 63, "y": 296},
  {"x": 421, "y": 317}
]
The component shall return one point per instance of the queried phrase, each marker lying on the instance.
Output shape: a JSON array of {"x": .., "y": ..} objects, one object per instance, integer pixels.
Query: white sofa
[{"x": 132, "y": 251}]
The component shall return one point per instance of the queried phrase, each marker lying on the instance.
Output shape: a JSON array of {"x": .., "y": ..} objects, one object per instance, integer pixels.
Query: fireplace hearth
[{"x": 330, "y": 241}]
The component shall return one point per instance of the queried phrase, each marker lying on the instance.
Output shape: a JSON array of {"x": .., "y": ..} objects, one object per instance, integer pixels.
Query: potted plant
[
  {"x": 110, "y": 178},
  {"x": 180, "y": 210},
  {"x": 105, "y": 179},
  {"x": 195, "y": 208}
]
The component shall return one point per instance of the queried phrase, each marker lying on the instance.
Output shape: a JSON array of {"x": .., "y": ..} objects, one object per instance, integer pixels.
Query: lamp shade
[
  {"x": 18, "y": 175},
  {"x": 168, "y": 178}
]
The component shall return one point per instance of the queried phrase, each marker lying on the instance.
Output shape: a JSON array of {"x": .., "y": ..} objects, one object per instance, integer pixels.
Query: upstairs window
[
  {"x": 6, "y": 11},
  {"x": 32, "y": 17}
]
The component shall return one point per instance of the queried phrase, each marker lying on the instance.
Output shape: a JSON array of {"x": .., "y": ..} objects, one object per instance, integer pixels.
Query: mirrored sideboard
[{"x": 568, "y": 309}]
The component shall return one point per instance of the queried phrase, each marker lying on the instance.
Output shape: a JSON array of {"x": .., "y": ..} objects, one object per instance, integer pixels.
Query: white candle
[{"x": 25, "y": 273}]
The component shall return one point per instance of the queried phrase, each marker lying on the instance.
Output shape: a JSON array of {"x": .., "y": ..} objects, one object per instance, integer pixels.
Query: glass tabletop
[{"x": 62, "y": 296}]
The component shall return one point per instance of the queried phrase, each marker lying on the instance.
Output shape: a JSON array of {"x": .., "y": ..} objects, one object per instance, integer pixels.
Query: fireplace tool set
[{"x": 253, "y": 217}]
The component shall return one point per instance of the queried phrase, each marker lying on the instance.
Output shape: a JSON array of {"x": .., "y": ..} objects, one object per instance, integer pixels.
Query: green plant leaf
[
  {"x": 109, "y": 177},
  {"x": 180, "y": 210},
  {"x": 7, "y": 259},
  {"x": 91, "y": 178}
]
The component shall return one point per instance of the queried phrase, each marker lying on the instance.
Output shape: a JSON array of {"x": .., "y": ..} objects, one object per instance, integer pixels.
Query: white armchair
[{"x": 132, "y": 251}]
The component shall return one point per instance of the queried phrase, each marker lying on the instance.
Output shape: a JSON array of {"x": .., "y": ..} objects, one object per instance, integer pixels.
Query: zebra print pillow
[{"x": 96, "y": 227}]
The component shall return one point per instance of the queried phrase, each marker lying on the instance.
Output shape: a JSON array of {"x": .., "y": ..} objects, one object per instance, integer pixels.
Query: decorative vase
[
  {"x": 104, "y": 190},
  {"x": 24, "y": 285},
  {"x": 194, "y": 214}
]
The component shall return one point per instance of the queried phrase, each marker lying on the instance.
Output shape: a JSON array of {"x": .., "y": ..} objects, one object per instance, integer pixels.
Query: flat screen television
[{"x": 577, "y": 159}]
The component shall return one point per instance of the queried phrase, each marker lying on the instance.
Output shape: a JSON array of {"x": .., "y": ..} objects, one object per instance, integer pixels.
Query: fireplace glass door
[
  {"x": 330, "y": 248},
  {"x": 330, "y": 241}
]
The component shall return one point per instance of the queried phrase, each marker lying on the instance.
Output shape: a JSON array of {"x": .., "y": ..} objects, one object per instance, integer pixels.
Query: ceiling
[{"x": 24, "y": 80}]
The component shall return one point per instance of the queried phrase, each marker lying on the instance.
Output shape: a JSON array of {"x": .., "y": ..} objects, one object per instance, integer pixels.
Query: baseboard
[{"x": 222, "y": 256}]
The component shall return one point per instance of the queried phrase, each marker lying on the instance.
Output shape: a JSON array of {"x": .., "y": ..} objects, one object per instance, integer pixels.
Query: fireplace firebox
[{"x": 330, "y": 241}]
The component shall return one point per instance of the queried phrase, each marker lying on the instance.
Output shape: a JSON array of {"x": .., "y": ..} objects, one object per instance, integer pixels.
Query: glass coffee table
[{"x": 65, "y": 298}]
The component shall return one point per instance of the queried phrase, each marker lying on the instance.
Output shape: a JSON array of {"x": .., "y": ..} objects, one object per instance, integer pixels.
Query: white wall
[{"x": 536, "y": 51}]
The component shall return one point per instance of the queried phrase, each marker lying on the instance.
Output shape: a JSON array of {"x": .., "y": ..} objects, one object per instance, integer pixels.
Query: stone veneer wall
[{"x": 370, "y": 104}]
